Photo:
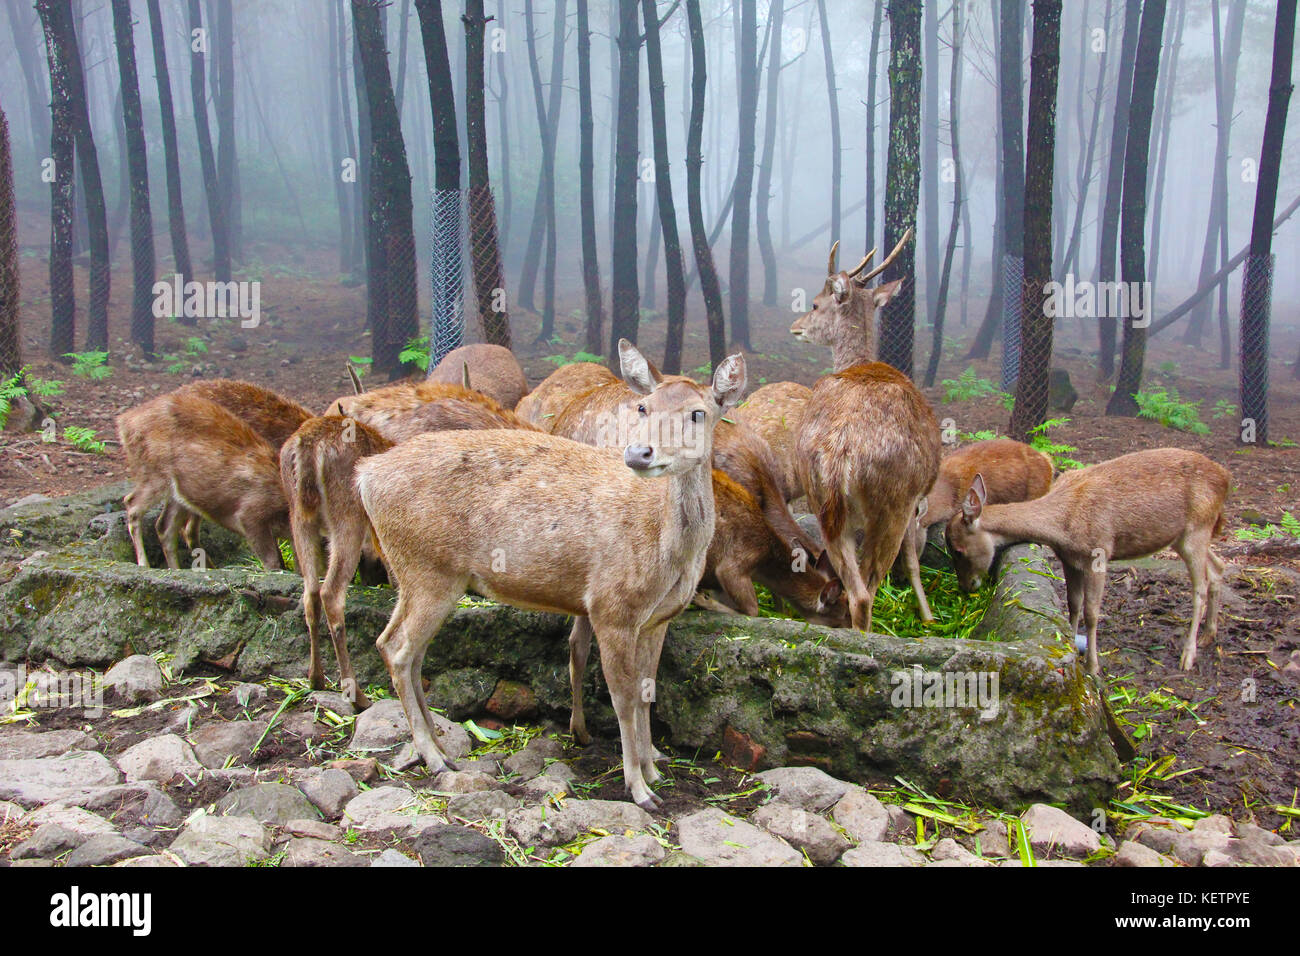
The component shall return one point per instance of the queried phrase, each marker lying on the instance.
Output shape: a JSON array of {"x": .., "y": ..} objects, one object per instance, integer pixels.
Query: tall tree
[
  {"x": 982, "y": 344},
  {"x": 929, "y": 237},
  {"x": 1011, "y": 114},
  {"x": 1133, "y": 213},
  {"x": 217, "y": 218},
  {"x": 485, "y": 253},
  {"x": 1036, "y": 325},
  {"x": 11, "y": 358},
  {"x": 142, "y": 251},
  {"x": 903, "y": 179},
  {"x": 60, "y": 29},
  {"x": 63, "y": 307},
  {"x": 626, "y": 295},
  {"x": 1256, "y": 289},
  {"x": 338, "y": 150},
  {"x": 776, "y": 16},
  {"x": 1166, "y": 113},
  {"x": 709, "y": 285},
  {"x": 171, "y": 151},
  {"x": 940, "y": 300},
  {"x": 587, "y": 189},
  {"x": 227, "y": 168},
  {"x": 1110, "y": 209},
  {"x": 747, "y": 117},
  {"x": 675, "y": 268},
  {"x": 391, "y": 287},
  {"x": 447, "y": 265},
  {"x": 1071, "y": 257},
  {"x": 832, "y": 95},
  {"x": 36, "y": 99},
  {"x": 872, "y": 59}
]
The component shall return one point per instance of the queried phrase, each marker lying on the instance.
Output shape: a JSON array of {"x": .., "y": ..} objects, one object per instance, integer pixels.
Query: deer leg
[
  {"x": 263, "y": 543},
  {"x": 1193, "y": 550},
  {"x": 1094, "y": 586},
  {"x": 134, "y": 525},
  {"x": 307, "y": 550},
  {"x": 618, "y": 660},
  {"x": 739, "y": 588},
  {"x": 844, "y": 559},
  {"x": 345, "y": 552},
  {"x": 913, "y": 556},
  {"x": 579, "y": 651},
  {"x": 649, "y": 648},
  {"x": 1215, "y": 568},
  {"x": 190, "y": 530},
  {"x": 168, "y": 528},
  {"x": 1074, "y": 585}
]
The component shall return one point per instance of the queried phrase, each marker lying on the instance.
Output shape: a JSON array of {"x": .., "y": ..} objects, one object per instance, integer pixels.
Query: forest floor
[{"x": 1230, "y": 726}]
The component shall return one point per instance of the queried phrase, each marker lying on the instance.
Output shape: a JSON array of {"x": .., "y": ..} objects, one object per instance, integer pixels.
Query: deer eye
[
  {"x": 697, "y": 415},
  {"x": 641, "y": 410}
]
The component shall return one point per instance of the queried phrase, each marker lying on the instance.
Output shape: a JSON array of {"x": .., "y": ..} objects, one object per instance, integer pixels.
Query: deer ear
[
  {"x": 881, "y": 295},
  {"x": 922, "y": 507},
  {"x": 823, "y": 563},
  {"x": 729, "y": 380},
  {"x": 831, "y": 592},
  {"x": 975, "y": 499},
  {"x": 638, "y": 372},
  {"x": 839, "y": 288}
]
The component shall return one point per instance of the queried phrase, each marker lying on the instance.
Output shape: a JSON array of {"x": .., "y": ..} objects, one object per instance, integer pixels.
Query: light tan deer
[
  {"x": 867, "y": 451},
  {"x": 186, "y": 449},
  {"x": 317, "y": 467},
  {"x": 775, "y": 411},
  {"x": 545, "y": 523},
  {"x": 493, "y": 369},
  {"x": 1012, "y": 471},
  {"x": 1128, "y": 507},
  {"x": 382, "y": 406},
  {"x": 541, "y": 406}
]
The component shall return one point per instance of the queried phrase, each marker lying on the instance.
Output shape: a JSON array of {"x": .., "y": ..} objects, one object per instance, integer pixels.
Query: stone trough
[{"x": 1004, "y": 722}]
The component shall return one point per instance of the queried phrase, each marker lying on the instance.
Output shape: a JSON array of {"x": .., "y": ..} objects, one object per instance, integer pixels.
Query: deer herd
[{"x": 619, "y": 501}]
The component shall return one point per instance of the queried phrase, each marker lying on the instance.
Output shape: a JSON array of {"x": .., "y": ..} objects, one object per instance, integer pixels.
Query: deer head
[{"x": 972, "y": 548}]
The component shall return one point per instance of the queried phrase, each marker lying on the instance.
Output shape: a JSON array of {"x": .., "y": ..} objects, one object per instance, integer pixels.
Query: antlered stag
[
  {"x": 867, "y": 451},
  {"x": 545, "y": 523},
  {"x": 1128, "y": 507}
]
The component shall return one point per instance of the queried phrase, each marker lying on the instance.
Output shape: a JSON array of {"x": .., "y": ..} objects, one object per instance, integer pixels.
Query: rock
[
  {"x": 1254, "y": 834},
  {"x": 104, "y": 850},
  {"x": 315, "y": 829},
  {"x": 48, "y": 841},
  {"x": 678, "y": 858},
  {"x": 330, "y": 790},
  {"x": 458, "y": 781},
  {"x": 993, "y": 840},
  {"x": 1217, "y": 858},
  {"x": 451, "y": 845},
  {"x": 1132, "y": 853},
  {"x": 525, "y": 764},
  {"x": 246, "y": 694},
  {"x": 158, "y": 759},
  {"x": 617, "y": 850},
  {"x": 1157, "y": 838},
  {"x": 22, "y": 745},
  {"x": 222, "y": 841},
  {"x": 481, "y": 765},
  {"x": 1051, "y": 830},
  {"x": 511, "y": 701},
  {"x": 553, "y": 826},
  {"x": 381, "y": 726},
  {"x": 363, "y": 770},
  {"x": 544, "y": 788},
  {"x": 268, "y": 803},
  {"x": 1260, "y": 854},
  {"x": 485, "y": 805},
  {"x": 1190, "y": 848},
  {"x": 142, "y": 805},
  {"x": 862, "y": 816},
  {"x": 949, "y": 850},
  {"x": 803, "y": 830},
  {"x": 43, "y": 779},
  {"x": 307, "y": 851},
  {"x": 332, "y": 700},
  {"x": 902, "y": 828},
  {"x": 370, "y": 803},
  {"x": 720, "y": 839},
  {"x": 303, "y": 725},
  {"x": 136, "y": 679},
  {"x": 216, "y": 742},
  {"x": 1215, "y": 823},
  {"x": 154, "y": 859},
  {"x": 872, "y": 853},
  {"x": 393, "y": 858},
  {"x": 548, "y": 748},
  {"x": 806, "y": 787},
  {"x": 75, "y": 819},
  {"x": 10, "y": 811},
  {"x": 740, "y": 750}
]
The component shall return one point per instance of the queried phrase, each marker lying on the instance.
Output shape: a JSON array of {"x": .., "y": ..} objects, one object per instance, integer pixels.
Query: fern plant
[
  {"x": 91, "y": 365},
  {"x": 968, "y": 386},
  {"x": 581, "y": 356},
  {"x": 19, "y": 385},
  {"x": 83, "y": 439},
  {"x": 416, "y": 353},
  {"x": 1057, "y": 451},
  {"x": 1289, "y": 526},
  {"x": 1165, "y": 407}
]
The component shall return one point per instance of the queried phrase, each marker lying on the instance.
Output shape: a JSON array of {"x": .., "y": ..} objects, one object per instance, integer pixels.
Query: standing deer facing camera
[
  {"x": 544, "y": 523},
  {"x": 867, "y": 452}
]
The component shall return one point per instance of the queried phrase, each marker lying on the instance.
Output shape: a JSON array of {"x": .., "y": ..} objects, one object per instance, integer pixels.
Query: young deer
[
  {"x": 317, "y": 467},
  {"x": 1128, "y": 507},
  {"x": 775, "y": 411},
  {"x": 1012, "y": 472},
  {"x": 542, "y": 405},
  {"x": 545, "y": 523},
  {"x": 188, "y": 449},
  {"x": 867, "y": 451},
  {"x": 493, "y": 368},
  {"x": 383, "y": 406}
]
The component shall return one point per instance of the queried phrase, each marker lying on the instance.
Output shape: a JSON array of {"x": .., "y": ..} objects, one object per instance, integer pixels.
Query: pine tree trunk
[
  {"x": 337, "y": 148},
  {"x": 548, "y": 117},
  {"x": 11, "y": 358},
  {"x": 626, "y": 296},
  {"x": 747, "y": 108},
  {"x": 39, "y": 119},
  {"x": 1166, "y": 112},
  {"x": 764, "y": 198},
  {"x": 171, "y": 153},
  {"x": 1146, "y": 66},
  {"x": 1011, "y": 118},
  {"x": 929, "y": 235},
  {"x": 62, "y": 207},
  {"x": 694, "y": 161},
  {"x": 1030, "y": 409},
  {"x": 954, "y": 99},
  {"x": 982, "y": 344},
  {"x": 142, "y": 251},
  {"x": 207, "y": 158},
  {"x": 503, "y": 132},
  {"x": 877, "y": 17},
  {"x": 227, "y": 171},
  {"x": 832, "y": 95},
  {"x": 595, "y": 343},
  {"x": 1071, "y": 259}
]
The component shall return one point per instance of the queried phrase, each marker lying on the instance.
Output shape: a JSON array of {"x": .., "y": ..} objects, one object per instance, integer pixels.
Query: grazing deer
[
  {"x": 383, "y": 406},
  {"x": 1128, "y": 507},
  {"x": 450, "y": 414},
  {"x": 867, "y": 450},
  {"x": 188, "y": 449},
  {"x": 541, "y": 406},
  {"x": 493, "y": 368},
  {"x": 316, "y": 470},
  {"x": 545, "y": 523},
  {"x": 1012, "y": 471},
  {"x": 775, "y": 411}
]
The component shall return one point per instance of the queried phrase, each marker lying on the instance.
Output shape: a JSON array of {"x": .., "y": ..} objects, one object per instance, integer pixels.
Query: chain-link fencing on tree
[
  {"x": 447, "y": 270},
  {"x": 485, "y": 261},
  {"x": 1256, "y": 299}
]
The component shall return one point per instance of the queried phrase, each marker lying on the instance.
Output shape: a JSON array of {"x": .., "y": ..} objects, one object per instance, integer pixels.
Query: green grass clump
[{"x": 1164, "y": 406}]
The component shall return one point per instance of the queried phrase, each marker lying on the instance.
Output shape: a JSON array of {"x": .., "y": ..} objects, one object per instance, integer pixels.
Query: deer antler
[
  {"x": 888, "y": 259},
  {"x": 863, "y": 264},
  {"x": 830, "y": 262}
]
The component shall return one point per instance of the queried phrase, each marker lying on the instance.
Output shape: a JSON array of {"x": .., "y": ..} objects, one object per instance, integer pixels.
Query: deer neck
[
  {"x": 688, "y": 513},
  {"x": 1037, "y": 521},
  {"x": 857, "y": 344}
]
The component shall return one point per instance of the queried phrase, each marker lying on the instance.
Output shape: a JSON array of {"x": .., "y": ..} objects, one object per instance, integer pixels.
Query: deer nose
[{"x": 638, "y": 456}]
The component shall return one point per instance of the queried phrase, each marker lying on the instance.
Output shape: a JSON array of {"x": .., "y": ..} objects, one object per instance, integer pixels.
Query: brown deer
[
  {"x": 382, "y": 406},
  {"x": 867, "y": 451},
  {"x": 493, "y": 369},
  {"x": 775, "y": 411},
  {"x": 541, "y": 406},
  {"x": 450, "y": 414},
  {"x": 188, "y": 449},
  {"x": 317, "y": 466},
  {"x": 1012, "y": 471},
  {"x": 1128, "y": 507},
  {"x": 543, "y": 522}
]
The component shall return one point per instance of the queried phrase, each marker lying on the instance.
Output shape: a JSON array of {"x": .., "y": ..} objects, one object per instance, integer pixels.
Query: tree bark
[
  {"x": 958, "y": 200},
  {"x": 1030, "y": 409},
  {"x": 207, "y": 157},
  {"x": 22, "y": 33},
  {"x": 1166, "y": 113},
  {"x": 626, "y": 293},
  {"x": 747, "y": 116},
  {"x": 62, "y": 294},
  {"x": 11, "y": 358},
  {"x": 764, "y": 198},
  {"x": 227, "y": 169},
  {"x": 982, "y": 344},
  {"x": 1011, "y": 118},
  {"x": 832, "y": 95},
  {"x": 1071, "y": 258},
  {"x": 877, "y": 17},
  {"x": 1133, "y": 225},
  {"x": 171, "y": 152},
  {"x": 694, "y": 161},
  {"x": 929, "y": 235},
  {"x": 595, "y": 343}
]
